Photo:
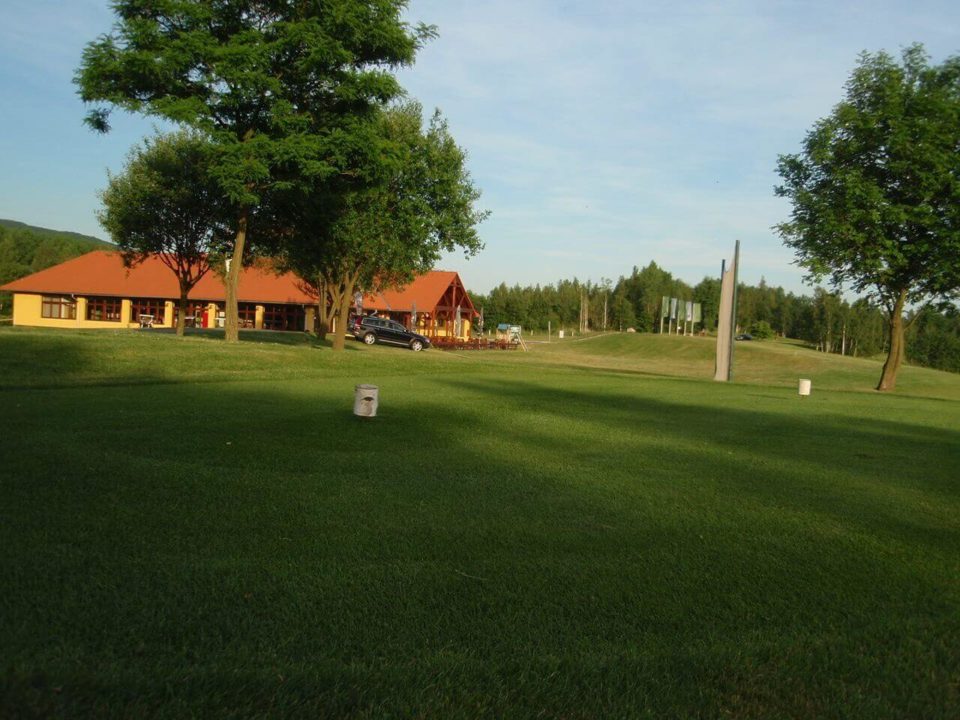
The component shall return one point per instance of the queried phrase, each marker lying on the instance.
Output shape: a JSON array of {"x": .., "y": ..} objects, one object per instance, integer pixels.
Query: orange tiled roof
[
  {"x": 425, "y": 290},
  {"x": 101, "y": 273}
]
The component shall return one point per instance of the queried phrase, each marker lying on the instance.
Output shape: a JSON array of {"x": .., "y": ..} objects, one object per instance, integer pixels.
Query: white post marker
[
  {"x": 365, "y": 400},
  {"x": 804, "y": 389}
]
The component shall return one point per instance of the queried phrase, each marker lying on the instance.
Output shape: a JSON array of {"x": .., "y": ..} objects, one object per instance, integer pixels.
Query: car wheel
[
  {"x": 369, "y": 338},
  {"x": 416, "y": 345}
]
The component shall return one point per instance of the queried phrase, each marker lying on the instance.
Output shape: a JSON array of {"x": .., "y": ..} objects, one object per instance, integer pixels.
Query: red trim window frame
[
  {"x": 147, "y": 306},
  {"x": 58, "y": 307},
  {"x": 247, "y": 314},
  {"x": 104, "y": 309},
  {"x": 283, "y": 317},
  {"x": 193, "y": 309}
]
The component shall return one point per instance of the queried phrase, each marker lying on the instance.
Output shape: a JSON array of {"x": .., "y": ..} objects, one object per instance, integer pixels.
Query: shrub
[{"x": 761, "y": 330}]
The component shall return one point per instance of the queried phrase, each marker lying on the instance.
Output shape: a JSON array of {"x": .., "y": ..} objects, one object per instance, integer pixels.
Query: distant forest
[
  {"x": 26, "y": 249},
  {"x": 825, "y": 320}
]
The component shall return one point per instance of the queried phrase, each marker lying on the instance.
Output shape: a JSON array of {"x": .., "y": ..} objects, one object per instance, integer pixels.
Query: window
[
  {"x": 147, "y": 306},
  {"x": 283, "y": 317},
  {"x": 106, "y": 309},
  {"x": 59, "y": 307},
  {"x": 247, "y": 314}
]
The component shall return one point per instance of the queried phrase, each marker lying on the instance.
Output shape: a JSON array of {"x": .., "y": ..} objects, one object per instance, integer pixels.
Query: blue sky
[{"x": 604, "y": 134}]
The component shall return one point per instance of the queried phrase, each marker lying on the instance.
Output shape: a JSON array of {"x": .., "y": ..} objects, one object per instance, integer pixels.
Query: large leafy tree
[
  {"x": 279, "y": 87},
  {"x": 876, "y": 189},
  {"x": 167, "y": 204},
  {"x": 416, "y": 202}
]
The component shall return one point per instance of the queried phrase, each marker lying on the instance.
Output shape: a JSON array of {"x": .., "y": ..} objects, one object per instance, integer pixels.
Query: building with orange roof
[
  {"x": 96, "y": 291},
  {"x": 435, "y": 304}
]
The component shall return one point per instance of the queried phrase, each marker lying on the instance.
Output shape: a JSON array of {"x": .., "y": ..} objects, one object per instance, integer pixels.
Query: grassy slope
[
  {"x": 192, "y": 528},
  {"x": 779, "y": 363}
]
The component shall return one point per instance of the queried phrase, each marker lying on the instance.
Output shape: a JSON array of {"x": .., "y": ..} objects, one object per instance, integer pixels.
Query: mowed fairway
[{"x": 588, "y": 530}]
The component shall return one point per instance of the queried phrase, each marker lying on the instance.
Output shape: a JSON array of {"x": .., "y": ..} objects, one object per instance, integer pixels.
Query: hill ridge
[{"x": 17, "y": 225}]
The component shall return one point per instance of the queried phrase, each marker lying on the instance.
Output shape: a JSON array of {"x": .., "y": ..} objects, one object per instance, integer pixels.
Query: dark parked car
[
  {"x": 373, "y": 330},
  {"x": 744, "y": 336}
]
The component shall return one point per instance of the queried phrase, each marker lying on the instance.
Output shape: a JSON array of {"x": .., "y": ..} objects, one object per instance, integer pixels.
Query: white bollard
[
  {"x": 804, "y": 388},
  {"x": 365, "y": 400}
]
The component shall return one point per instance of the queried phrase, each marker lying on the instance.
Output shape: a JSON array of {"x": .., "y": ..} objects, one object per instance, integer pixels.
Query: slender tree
[
  {"x": 278, "y": 87},
  {"x": 167, "y": 204},
  {"x": 876, "y": 189}
]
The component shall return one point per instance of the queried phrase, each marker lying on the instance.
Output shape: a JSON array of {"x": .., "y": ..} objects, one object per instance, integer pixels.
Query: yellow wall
[
  {"x": 169, "y": 305},
  {"x": 28, "y": 309},
  {"x": 446, "y": 329}
]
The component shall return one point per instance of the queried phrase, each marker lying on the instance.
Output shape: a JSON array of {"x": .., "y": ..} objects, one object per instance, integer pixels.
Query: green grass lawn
[{"x": 589, "y": 530}]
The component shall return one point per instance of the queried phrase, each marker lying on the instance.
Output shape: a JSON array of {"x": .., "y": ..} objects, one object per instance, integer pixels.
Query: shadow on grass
[
  {"x": 825, "y": 463},
  {"x": 38, "y": 355},
  {"x": 484, "y": 546},
  {"x": 32, "y": 358},
  {"x": 273, "y": 337}
]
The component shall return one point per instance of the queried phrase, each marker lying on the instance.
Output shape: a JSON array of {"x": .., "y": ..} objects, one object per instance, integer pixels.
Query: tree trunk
[
  {"x": 232, "y": 333},
  {"x": 340, "y": 337},
  {"x": 323, "y": 324},
  {"x": 324, "y": 307},
  {"x": 181, "y": 316},
  {"x": 888, "y": 379}
]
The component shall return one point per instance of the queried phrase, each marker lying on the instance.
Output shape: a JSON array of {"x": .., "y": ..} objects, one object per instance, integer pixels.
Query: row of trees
[
  {"x": 294, "y": 144},
  {"x": 825, "y": 320},
  {"x": 632, "y": 302}
]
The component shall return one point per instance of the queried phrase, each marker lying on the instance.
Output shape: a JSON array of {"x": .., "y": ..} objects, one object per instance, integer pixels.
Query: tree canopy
[
  {"x": 282, "y": 89},
  {"x": 876, "y": 189},
  {"x": 416, "y": 202},
  {"x": 166, "y": 203}
]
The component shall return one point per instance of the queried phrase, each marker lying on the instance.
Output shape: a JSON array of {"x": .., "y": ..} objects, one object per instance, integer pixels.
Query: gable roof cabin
[
  {"x": 438, "y": 294},
  {"x": 96, "y": 290}
]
